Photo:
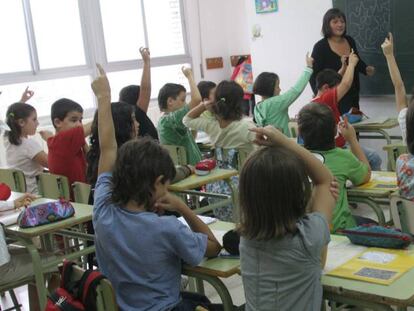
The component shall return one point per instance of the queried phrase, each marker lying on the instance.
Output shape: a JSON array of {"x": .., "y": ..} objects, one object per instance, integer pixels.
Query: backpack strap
[
  {"x": 62, "y": 304},
  {"x": 66, "y": 273},
  {"x": 87, "y": 288}
]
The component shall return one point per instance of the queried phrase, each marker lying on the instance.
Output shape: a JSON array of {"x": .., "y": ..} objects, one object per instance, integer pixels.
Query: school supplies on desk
[
  {"x": 207, "y": 220},
  {"x": 373, "y": 121},
  {"x": 376, "y": 265},
  {"x": 205, "y": 166},
  {"x": 8, "y": 218},
  {"x": 381, "y": 180}
]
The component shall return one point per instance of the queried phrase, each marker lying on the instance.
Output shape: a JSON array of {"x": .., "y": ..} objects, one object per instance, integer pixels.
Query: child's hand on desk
[
  {"x": 347, "y": 130},
  {"x": 25, "y": 200},
  {"x": 169, "y": 202},
  {"x": 100, "y": 85},
  {"x": 268, "y": 136}
]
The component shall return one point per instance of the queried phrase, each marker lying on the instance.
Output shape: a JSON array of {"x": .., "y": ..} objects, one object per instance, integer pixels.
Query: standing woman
[{"x": 332, "y": 52}]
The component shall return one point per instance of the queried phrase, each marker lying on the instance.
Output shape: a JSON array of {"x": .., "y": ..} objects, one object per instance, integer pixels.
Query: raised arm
[
  {"x": 26, "y": 95},
  {"x": 323, "y": 200},
  {"x": 87, "y": 128},
  {"x": 348, "y": 77},
  {"x": 106, "y": 130},
  {"x": 195, "y": 93},
  {"x": 397, "y": 81},
  {"x": 145, "y": 87}
]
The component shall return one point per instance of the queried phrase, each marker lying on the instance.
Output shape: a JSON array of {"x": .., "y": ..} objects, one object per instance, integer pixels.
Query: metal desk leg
[
  {"x": 218, "y": 286},
  {"x": 355, "y": 302},
  {"x": 38, "y": 273},
  {"x": 234, "y": 199},
  {"x": 371, "y": 203}
]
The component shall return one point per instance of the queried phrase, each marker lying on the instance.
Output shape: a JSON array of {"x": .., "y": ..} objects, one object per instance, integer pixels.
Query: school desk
[
  {"x": 194, "y": 181},
  {"x": 83, "y": 214},
  {"x": 373, "y": 296},
  {"x": 379, "y": 127},
  {"x": 380, "y": 187},
  {"x": 211, "y": 270}
]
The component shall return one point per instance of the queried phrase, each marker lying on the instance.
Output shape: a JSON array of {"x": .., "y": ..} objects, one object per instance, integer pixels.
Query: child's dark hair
[
  {"x": 139, "y": 163},
  {"x": 329, "y": 77},
  {"x": 274, "y": 191},
  {"x": 265, "y": 83},
  {"x": 330, "y": 15},
  {"x": 169, "y": 90},
  {"x": 317, "y": 127},
  {"x": 205, "y": 87},
  {"x": 62, "y": 107},
  {"x": 124, "y": 126},
  {"x": 129, "y": 94},
  {"x": 16, "y": 112},
  {"x": 229, "y": 98}
]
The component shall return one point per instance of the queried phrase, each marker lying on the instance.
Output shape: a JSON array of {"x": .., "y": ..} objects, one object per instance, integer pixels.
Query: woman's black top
[{"x": 325, "y": 58}]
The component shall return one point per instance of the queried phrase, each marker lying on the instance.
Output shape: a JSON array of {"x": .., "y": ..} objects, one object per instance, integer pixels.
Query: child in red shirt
[{"x": 67, "y": 148}]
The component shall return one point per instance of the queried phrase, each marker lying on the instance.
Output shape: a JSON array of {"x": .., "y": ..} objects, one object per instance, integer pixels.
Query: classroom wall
[{"x": 286, "y": 37}]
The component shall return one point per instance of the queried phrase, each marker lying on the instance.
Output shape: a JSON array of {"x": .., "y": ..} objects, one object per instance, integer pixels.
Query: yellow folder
[{"x": 376, "y": 265}]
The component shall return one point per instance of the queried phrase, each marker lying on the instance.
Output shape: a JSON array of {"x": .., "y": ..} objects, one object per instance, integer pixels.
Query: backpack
[{"x": 76, "y": 295}]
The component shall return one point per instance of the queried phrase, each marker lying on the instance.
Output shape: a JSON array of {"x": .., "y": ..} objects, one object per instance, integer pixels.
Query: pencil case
[{"x": 377, "y": 236}]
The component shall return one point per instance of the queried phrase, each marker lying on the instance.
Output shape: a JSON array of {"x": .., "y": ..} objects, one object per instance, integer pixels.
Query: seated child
[
  {"x": 273, "y": 109},
  {"x": 229, "y": 132},
  {"x": 67, "y": 148},
  {"x": 207, "y": 91},
  {"x": 317, "y": 127},
  {"x": 140, "y": 96},
  {"x": 131, "y": 192},
  {"x": 24, "y": 153},
  {"x": 172, "y": 131},
  {"x": 399, "y": 88},
  {"x": 282, "y": 247},
  {"x": 331, "y": 89}
]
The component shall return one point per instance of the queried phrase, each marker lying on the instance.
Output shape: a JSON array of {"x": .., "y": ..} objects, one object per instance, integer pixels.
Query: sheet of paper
[
  {"x": 378, "y": 120},
  {"x": 340, "y": 252},
  {"x": 9, "y": 218},
  {"x": 378, "y": 257},
  {"x": 206, "y": 219}
]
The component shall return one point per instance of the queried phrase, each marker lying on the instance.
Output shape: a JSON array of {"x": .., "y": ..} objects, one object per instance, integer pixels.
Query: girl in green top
[{"x": 273, "y": 109}]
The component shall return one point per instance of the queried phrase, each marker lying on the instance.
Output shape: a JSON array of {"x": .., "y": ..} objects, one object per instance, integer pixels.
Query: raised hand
[
  {"x": 187, "y": 72},
  {"x": 353, "y": 58},
  {"x": 309, "y": 60},
  {"x": 388, "y": 45},
  {"x": 347, "y": 130},
  {"x": 100, "y": 85},
  {"x": 27, "y": 94},
  {"x": 268, "y": 136},
  {"x": 145, "y": 54}
]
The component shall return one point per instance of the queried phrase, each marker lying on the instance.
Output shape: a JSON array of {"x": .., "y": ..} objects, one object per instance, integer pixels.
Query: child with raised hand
[
  {"x": 274, "y": 107},
  {"x": 172, "y": 131},
  {"x": 139, "y": 96},
  {"x": 280, "y": 242},
  {"x": 399, "y": 88},
  {"x": 22, "y": 152},
  {"x": 130, "y": 192}
]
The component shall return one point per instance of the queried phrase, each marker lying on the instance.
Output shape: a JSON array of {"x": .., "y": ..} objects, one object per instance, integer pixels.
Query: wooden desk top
[
  {"x": 83, "y": 213},
  {"x": 195, "y": 181},
  {"x": 388, "y": 124}
]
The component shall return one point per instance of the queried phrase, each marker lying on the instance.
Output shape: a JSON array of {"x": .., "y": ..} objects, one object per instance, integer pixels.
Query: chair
[
  {"x": 81, "y": 192},
  {"x": 53, "y": 186},
  {"x": 393, "y": 152},
  {"x": 105, "y": 299},
  {"x": 402, "y": 213},
  {"x": 14, "y": 179},
  {"x": 293, "y": 129},
  {"x": 177, "y": 154}
]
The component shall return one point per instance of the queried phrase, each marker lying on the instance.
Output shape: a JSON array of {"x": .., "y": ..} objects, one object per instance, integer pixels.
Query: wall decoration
[
  {"x": 214, "y": 63},
  {"x": 266, "y": 6}
]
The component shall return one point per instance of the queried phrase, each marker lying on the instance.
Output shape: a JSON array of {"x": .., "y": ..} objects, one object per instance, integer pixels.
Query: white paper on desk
[
  {"x": 207, "y": 220},
  {"x": 339, "y": 252},
  {"x": 9, "y": 218},
  {"x": 378, "y": 177}
]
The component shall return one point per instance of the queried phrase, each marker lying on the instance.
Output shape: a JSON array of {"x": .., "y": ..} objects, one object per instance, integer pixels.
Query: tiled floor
[{"x": 234, "y": 284}]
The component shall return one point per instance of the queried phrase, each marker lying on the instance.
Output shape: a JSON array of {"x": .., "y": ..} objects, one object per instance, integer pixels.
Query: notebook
[{"x": 206, "y": 219}]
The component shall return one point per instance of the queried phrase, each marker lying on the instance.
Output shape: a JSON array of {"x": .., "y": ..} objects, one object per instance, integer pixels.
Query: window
[{"x": 52, "y": 47}]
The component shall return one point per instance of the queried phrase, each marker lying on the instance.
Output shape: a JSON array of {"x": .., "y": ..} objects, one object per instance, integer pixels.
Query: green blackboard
[{"x": 368, "y": 22}]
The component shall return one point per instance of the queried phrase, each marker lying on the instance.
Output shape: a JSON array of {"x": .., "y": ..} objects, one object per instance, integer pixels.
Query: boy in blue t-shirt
[{"x": 139, "y": 251}]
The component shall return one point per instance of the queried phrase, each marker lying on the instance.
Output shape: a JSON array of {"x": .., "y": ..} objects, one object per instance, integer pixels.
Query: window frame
[{"x": 94, "y": 50}]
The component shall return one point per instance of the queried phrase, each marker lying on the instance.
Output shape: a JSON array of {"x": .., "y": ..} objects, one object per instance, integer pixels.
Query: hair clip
[
  {"x": 223, "y": 99},
  {"x": 10, "y": 115}
]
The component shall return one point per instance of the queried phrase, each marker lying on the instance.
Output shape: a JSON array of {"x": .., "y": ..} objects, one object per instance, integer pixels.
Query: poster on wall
[{"x": 266, "y": 6}]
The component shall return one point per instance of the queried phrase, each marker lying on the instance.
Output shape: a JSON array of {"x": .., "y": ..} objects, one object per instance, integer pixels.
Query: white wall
[{"x": 287, "y": 35}]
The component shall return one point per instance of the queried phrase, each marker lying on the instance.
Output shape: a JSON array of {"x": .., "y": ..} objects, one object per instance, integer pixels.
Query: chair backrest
[
  {"x": 402, "y": 213},
  {"x": 177, "y": 154},
  {"x": 228, "y": 155},
  {"x": 81, "y": 192},
  {"x": 293, "y": 129},
  {"x": 14, "y": 179},
  {"x": 53, "y": 186},
  {"x": 393, "y": 152},
  {"x": 105, "y": 300}
]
